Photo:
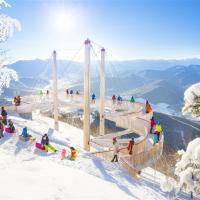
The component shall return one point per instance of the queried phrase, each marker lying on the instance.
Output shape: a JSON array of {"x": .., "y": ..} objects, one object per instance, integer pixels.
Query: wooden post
[
  {"x": 55, "y": 92},
  {"x": 86, "y": 123},
  {"x": 102, "y": 93}
]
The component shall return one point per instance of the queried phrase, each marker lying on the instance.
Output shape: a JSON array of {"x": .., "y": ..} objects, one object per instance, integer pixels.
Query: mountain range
[{"x": 160, "y": 81}]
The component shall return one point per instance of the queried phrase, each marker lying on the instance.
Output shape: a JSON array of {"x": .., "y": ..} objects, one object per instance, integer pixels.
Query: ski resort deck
[
  {"x": 129, "y": 116},
  {"x": 132, "y": 117}
]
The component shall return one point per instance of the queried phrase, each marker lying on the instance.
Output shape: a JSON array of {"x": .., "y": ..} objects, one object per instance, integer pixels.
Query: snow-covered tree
[
  {"x": 192, "y": 100},
  {"x": 7, "y": 27},
  {"x": 188, "y": 168}
]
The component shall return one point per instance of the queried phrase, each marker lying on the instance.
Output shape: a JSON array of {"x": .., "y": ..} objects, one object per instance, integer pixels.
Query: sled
[
  {"x": 9, "y": 130},
  {"x": 25, "y": 139},
  {"x": 45, "y": 147},
  {"x": 71, "y": 158},
  {"x": 39, "y": 146}
]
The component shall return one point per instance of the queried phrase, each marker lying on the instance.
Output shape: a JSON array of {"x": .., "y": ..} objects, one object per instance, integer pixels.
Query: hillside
[{"x": 45, "y": 176}]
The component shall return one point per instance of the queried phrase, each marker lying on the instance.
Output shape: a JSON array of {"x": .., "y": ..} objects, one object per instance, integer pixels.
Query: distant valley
[{"x": 160, "y": 81}]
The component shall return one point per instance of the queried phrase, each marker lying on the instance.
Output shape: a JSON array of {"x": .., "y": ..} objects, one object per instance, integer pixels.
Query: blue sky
[{"x": 128, "y": 29}]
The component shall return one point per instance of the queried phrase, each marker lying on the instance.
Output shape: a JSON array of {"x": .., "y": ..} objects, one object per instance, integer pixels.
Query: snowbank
[
  {"x": 29, "y": 174},
  {"x": 188, "y": 95}
]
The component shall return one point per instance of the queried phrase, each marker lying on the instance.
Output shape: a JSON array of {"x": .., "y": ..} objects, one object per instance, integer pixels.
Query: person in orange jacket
[
  {"x": 72, "y": 153},
  {"x": 130, "y": 146},
  {"x": 148, "y": 107}
]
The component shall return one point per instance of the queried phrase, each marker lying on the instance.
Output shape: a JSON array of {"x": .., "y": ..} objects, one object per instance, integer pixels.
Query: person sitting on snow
[
  {"x": 63, "y": 154},
  {"x": 1, "y": 130},
  {"x": 24, "y": 132},
  {"x": 25, "y": 136},
  {"x": 45, "y": 139},
  {"x": 4, "y": 115},
  {"x": 11, "y": 126},
  {"x": 72, "y": 153},
  {"x": 45, "y": 143}
]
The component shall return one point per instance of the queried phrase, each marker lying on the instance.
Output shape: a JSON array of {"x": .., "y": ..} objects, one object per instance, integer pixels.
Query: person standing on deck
[
  {"x": 132, "y": 99},
  {"x": 152, "y": 124},
  {"x": 116, "y": 150},
  {"x": 113, "y": 99},
  {"x": 148, "y": 107},
  {"x": 130, "y": 146},
  {"x": 93, "y": 98},
  {"x": 67, "y": 92},
  {"x": 158, "y": 130}
]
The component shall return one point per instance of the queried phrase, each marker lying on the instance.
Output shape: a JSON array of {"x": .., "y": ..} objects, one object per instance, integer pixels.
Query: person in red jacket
[
  {"x": 152, "y": 124},
  {"x": 113, "y": 99},
  {"x": 130, "y": 146}
]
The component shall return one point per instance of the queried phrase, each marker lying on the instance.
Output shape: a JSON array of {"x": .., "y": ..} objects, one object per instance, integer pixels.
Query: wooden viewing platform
[{"x": 130, "y": 116}]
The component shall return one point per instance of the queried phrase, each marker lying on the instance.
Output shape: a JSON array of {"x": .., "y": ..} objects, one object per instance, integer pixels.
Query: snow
[
  {"x": 7, "y": 27},
  {"x": 28, "y": 173},
  {"x": 188, "y": 95},
  {"x": 188, "y": 168},
  {"x": 190, "y": 102}
]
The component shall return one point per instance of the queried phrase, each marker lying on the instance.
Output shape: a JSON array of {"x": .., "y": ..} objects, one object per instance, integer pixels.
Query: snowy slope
[{"x": 29, "y": 174}]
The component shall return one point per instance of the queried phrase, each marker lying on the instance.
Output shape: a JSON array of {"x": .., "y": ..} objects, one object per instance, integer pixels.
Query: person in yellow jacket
[{"x": 158, "y": 130}]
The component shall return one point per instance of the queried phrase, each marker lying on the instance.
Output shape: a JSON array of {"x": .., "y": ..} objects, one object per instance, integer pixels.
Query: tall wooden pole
[
  {"x": 55, "y": 92},
  {"x": 86, "y": 123},
  {"x": 102, "y": 93}
]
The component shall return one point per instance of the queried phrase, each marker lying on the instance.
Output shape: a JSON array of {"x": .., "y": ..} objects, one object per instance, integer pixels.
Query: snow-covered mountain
[{"x": 158, "y": 81}]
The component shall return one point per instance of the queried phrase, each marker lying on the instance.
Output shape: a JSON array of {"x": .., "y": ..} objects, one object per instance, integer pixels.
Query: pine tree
[
  {"x": 188, "y": 168},
  {"x": 194, "y": 106},
  {"x": 7, "y": 27}
]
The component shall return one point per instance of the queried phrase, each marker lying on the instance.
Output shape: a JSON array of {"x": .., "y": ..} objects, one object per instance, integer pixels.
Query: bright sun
[{"x": 63, "y": 22}]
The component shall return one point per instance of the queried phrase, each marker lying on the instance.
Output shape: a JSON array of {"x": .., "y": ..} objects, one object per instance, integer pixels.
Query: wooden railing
[{"x": 144, "y": 153}]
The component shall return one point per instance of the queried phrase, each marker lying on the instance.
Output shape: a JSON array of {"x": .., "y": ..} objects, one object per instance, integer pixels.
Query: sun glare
[{"x": 63, "y": 22}]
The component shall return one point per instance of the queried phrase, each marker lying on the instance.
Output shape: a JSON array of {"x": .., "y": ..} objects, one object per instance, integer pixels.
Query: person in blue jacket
[
  {"x": 119, "y": 99},
  {"x": 24, "y": 132},
  {"x": 93, "y": 98}
]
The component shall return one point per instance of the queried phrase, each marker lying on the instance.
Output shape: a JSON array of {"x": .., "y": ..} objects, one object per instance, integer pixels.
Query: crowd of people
[
  {"x": 155, "y": 130},
  {"x": 7, "y": 126},
  {"x": 71, "y": 92}
]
